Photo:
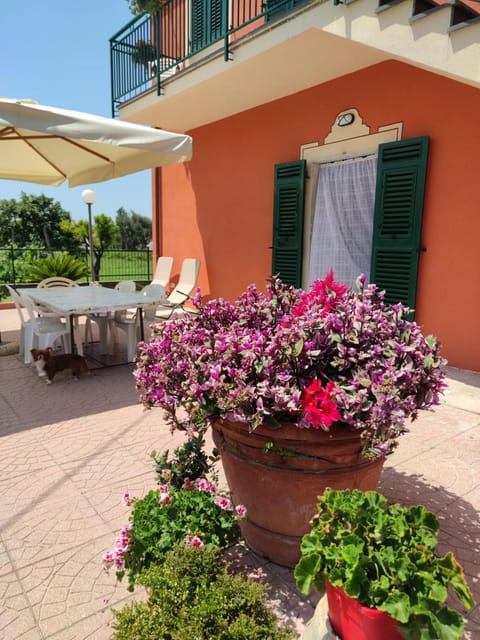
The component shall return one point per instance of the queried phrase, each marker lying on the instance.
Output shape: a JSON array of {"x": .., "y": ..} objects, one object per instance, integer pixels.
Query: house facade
[{"x": 325, "y": 135}]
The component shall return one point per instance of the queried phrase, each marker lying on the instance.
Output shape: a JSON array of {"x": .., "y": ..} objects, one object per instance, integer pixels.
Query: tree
[
  {"x": 134, "y": 230},
  {"x": 35, "y": 220},
  {"x": 104, "y": 232}
]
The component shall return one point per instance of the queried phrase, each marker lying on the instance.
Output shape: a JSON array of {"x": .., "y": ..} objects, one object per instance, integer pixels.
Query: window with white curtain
[{"x": 342, "y": 225}]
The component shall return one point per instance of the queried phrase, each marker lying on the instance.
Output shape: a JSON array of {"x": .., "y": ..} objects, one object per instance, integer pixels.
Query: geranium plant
[
  {"x": 329, "y": 356},
  {"x": 195, "y": 515},
  {"x": 384, "y": 556}
]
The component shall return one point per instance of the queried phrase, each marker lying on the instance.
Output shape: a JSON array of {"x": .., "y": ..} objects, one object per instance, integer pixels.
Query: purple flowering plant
[{"x": 327, "y": 356}]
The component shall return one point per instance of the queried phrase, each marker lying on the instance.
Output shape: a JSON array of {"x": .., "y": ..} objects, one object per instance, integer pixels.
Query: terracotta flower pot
[
  {"x": 353, "y": 621},
  {"x": 279, "y": 483}
]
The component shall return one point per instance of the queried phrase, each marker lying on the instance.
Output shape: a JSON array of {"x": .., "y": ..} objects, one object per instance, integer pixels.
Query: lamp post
[
  {"x": 12, "y": 248},
  {"x": 89, "y": 197}
]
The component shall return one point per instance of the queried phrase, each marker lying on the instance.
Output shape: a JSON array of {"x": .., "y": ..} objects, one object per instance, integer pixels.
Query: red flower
[
  {"x": 326, "y": 292},
  {"x": 319, "y": 405}
]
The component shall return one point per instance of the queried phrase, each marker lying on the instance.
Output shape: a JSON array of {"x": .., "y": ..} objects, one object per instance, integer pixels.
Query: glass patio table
[{"x": 77, "y": 301}]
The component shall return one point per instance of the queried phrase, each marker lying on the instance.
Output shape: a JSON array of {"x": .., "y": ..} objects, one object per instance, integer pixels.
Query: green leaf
[
  {"x": 311, "y": 543},
  {"x": 298, "y": 348},
  {"x": 448, "y": 624},
  {"x": 428, "y": 361},
  {"x": 351, "y": 553},
  {"x": 438, "y": 592},
  {"x": 398, "y": 606},
  {"x": 305, "y": 572},
  {"x": 357, "y": 583}
]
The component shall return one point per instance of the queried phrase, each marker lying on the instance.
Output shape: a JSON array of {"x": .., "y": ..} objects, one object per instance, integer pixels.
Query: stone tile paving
[{"x": 68, "y": 452}]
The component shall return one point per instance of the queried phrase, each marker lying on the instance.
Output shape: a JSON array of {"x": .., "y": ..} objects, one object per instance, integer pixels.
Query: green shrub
[
  {"x": 192, "y": 597},
  {"x": 16, "y": 263},
  {"x": 189, "y": 461},
  {"x": 63, "y": 265}
]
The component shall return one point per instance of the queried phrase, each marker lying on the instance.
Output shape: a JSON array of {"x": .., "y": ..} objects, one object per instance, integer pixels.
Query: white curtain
[{"x": 343, "y": 220}]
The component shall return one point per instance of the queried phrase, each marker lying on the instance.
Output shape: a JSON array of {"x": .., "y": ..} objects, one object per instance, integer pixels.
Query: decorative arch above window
[{"x": 350, "y": 140}]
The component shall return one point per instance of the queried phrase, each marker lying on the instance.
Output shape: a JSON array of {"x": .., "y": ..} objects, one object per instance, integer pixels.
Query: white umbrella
[{"x": 47, "y": 145}]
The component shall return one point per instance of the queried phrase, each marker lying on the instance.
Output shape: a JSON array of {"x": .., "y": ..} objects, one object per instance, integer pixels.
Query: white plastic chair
[
  {"x": 104, "y": 320},
  {"x": 129, "y": 321},
  {"x": 57, "y": 281},
  {"x": 163, "y": 271},
  {"x": 128, "y": 286},
  {"x": 186, "y": 284},
  {"x": 25, "y": 324},
  {"x": 44, "y": 329}
]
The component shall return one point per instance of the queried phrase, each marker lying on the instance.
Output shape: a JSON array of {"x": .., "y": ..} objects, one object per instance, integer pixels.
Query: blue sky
[{"x": 57, "y": 53}]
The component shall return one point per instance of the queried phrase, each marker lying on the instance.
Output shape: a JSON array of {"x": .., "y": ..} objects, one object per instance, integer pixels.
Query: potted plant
[
  {"x": 371, "y": 557},
  {"x": 141, "y": 7},
  {"x": 303, "y": 390},
  {"x": 144, "y": 52}
]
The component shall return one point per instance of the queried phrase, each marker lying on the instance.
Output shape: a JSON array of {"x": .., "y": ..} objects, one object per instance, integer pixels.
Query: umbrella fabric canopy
[{"x": 47, "y": 145}]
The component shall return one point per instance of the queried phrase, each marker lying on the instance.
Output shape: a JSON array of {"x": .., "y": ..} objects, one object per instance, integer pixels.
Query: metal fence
[
  {"x": 151, "y": 49},
  {"x": 116, "y": 264}
]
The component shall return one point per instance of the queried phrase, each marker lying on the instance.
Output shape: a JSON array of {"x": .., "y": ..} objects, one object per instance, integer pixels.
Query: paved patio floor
[{"x": 69, "y": 450}]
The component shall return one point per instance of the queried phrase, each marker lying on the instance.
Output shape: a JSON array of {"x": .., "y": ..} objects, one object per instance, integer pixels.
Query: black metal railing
[
  {"x": 116, "y": 264},
  {"x": 151, "y": 49}
]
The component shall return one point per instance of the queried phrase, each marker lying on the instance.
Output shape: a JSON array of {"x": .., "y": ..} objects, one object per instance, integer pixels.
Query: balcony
[
  {"x": 152, "y": 49},
  {"x": 199, "y": 61}
]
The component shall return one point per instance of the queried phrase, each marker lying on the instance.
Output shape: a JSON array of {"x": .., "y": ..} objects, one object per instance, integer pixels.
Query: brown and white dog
[{"x": 49, "y": 364}]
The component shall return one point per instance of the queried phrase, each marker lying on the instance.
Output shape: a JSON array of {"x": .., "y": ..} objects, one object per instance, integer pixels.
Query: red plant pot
[{"x": 353, "y": 621}]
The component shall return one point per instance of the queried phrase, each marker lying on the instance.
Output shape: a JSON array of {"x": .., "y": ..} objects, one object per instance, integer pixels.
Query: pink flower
[
  {"x": 241, "y": 510},
  {"x": 188, "y": 484},
  {"x": 202, "y": 484},
  {"x": 126, "y": 499},
  {"x": 164, "y": 498},
  {"x": 193, "y": 541},
  {"x": 108, "y": 557},
  {"x": 223, "y": 503}
]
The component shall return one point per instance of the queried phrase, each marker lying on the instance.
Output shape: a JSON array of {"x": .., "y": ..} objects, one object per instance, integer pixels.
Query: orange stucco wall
[{"x": 218, "y": 207}]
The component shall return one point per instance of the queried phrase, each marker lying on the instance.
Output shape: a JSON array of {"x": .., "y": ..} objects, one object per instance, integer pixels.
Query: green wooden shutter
[
  {"x": 397, "y": 224},
  {"x": 199, "y": 20},
  {"x": 217, "y": 20},
  {"x": 288, "y": 204},
  {"x": 208, "y": 22}
]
